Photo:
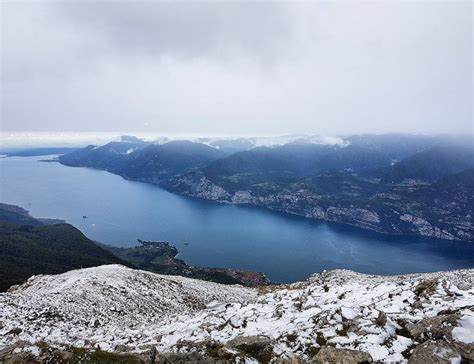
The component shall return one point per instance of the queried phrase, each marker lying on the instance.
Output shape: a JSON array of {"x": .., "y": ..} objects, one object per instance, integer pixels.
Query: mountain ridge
[{"x": 360, "y": 183}]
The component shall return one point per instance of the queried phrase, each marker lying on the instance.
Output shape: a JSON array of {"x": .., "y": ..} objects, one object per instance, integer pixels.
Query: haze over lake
[{"x": 287, "y": 248}]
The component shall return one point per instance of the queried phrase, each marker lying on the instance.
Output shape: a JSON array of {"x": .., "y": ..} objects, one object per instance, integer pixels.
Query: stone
[
  {"x": 381, "y": 319},
  {"x": 289, "y": 361},
  {"x": 15, "y": 331},
  {"x": 426, "y": 287},
  {"x": 434, "y": 352},
  {"x": 466, "y": 351},
  {"x": 66, "y": 355},
  {"x": 182, "y": 358},
  {"x": 434, "y": 328},
  {"x": 227, "y": 353},
  {"x": 122, "y": 348},
  {"x": 332, "y": 355},
  {"x": 258, "y": 347}
]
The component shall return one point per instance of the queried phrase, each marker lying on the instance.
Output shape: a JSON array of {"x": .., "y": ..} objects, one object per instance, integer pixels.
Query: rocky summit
[{"x": 117, "y": 314}]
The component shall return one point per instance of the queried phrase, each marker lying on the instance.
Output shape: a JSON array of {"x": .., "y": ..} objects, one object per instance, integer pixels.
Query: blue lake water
[{"x": 287, "y": 248}]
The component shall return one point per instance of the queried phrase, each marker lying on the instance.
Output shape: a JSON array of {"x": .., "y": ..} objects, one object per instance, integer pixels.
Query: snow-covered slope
[{"x": 120, "y": 309}]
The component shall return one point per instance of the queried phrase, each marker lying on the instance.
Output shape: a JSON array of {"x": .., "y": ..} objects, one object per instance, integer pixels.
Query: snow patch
[{"x": 465, "y": 331}]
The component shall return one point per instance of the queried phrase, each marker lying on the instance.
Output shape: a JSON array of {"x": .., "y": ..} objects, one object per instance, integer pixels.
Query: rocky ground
[{"x": 116, "y": 314}]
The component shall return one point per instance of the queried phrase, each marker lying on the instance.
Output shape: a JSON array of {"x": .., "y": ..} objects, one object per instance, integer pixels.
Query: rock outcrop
[{"x": 408, "y": 208}]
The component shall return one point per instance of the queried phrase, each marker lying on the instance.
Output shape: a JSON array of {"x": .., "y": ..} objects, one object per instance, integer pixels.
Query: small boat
[{"x": 84, "y": 217}]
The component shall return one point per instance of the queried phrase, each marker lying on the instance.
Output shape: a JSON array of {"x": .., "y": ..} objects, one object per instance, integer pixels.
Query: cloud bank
[{"x": 237, "y": 68}]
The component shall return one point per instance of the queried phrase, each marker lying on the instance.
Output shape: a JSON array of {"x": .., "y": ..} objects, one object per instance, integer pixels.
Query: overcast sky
[{"x": 237, "y": 68}]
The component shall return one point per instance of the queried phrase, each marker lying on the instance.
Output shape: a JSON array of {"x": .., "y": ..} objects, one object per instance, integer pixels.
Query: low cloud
[
  {"x": 186, "y": 29},
  {"x": 236, "y": 68}
]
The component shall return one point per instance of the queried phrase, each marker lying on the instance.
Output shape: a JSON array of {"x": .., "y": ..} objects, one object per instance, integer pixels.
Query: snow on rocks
[
  {"x": 107, "y": 304},
  {"x": 435, "y": 352},
  {"x": 345, "y": 313}
]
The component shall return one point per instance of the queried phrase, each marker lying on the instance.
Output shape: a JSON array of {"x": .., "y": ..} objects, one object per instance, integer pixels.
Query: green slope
[{"x": 27, "y": 250}]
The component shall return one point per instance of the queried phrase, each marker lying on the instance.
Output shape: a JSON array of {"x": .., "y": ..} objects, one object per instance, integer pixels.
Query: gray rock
[
  {"x": 242, "y": 197},
  {"x": 422, "y": 226},
  {"x": 434, "y": 352},
  {"x": 66, "y": 355},
  {"x": 122, "y": 348},
  {"x": 258, "y": 347},
  {"x": 227, "y": 353},
  {"x": 289, "y": 361},
  {"x": 15, "y": 331},
  {"x": 362, "y": 216},
  {"x": 434, "y": 328},
  {"x": 381, "y": 319},
  {"x": 332, "y": 355},
  {"x": 426, "y": 287},
  {"x": 466, "y": 351},
  {"x": 175, "y": 358}
]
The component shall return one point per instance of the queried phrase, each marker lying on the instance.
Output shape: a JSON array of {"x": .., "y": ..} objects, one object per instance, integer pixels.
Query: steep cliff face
[
  {"x": 196, "y": 184},
  {"x": 135, "y": 316},
  {"x": 410, "y": 208}
]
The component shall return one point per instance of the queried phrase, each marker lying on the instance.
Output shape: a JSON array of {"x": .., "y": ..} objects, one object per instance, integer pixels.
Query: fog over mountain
[{"x": 236, "y": 68}]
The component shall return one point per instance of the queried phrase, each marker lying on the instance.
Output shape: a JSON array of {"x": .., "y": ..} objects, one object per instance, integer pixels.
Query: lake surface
[{"x": 287, "y": 248}]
